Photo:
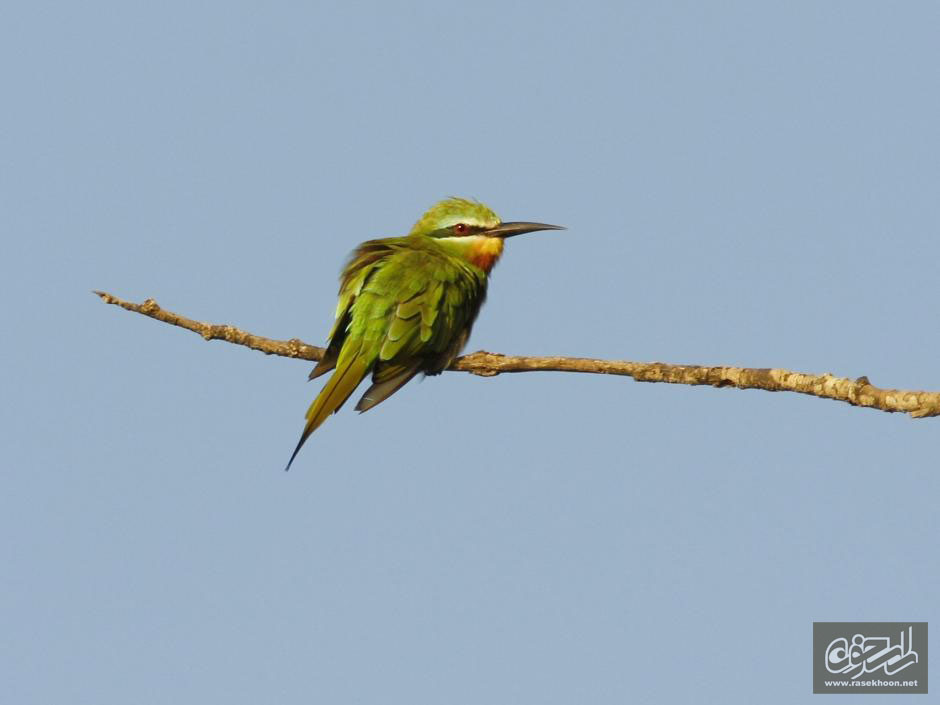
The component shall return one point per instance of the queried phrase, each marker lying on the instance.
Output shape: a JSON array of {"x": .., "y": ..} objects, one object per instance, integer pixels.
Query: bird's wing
[
  {"x": 403, "y": 312},
  {"x": 428, "y": 322},
  {"x": 348, "y": 351},
  {"x": 362, "y": 263},
  {"x": 400, "y": 356}
]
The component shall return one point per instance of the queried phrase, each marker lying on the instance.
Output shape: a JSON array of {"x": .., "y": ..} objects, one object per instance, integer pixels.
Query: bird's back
[
  {"x": 406, "y": 306},
  {"x": 415, "y": 305}
]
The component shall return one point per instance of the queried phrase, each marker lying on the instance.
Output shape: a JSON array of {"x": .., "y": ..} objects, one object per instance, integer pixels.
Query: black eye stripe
[{"x": 452, "y": 231}]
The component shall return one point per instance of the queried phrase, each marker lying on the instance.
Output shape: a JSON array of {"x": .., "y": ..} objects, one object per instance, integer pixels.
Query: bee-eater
[{"x": 407, "y": 304}]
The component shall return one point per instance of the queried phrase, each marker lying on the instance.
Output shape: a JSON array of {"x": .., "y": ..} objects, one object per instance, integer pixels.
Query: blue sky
[{"x": 747, "y": 184}]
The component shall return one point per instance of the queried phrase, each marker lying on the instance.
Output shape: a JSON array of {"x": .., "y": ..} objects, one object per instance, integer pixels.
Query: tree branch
[{"x": 858, "y": 392}]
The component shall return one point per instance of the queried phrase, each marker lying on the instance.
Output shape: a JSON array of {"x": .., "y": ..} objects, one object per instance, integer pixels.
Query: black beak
[{"x": 505, "y": 230}]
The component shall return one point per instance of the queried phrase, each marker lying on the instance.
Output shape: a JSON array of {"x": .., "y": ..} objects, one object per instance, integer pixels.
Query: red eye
[{"x": 460, "y": 229}]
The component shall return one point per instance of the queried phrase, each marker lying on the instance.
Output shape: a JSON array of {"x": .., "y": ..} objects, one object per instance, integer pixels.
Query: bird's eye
[{"x": 460, "y": 229}]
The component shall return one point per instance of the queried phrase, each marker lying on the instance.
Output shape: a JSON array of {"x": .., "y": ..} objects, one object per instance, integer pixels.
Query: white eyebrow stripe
[{"x": 471, "y": 221}]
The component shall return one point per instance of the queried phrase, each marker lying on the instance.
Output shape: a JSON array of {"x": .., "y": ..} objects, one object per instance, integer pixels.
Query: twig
[{"x": 858, "y": 392}]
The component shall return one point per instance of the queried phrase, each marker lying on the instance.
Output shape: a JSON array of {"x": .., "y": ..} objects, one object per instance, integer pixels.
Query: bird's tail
[{"x": 349, "y": 373}]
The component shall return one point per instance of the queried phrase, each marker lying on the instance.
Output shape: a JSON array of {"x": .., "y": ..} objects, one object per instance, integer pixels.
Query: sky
[{"x": 744, "y": 183}]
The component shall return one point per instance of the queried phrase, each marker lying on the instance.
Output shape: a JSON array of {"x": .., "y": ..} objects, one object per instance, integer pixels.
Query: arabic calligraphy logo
[{"x": 869, "y": 654}]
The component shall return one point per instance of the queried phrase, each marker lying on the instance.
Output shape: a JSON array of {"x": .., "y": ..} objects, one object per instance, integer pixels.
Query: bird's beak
[{"x": 505, "y": 230}]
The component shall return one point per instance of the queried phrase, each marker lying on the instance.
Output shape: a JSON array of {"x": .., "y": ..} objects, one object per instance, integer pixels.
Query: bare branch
[
  {"x": 858, "y": 392},
  {"x": 215, "y": 331}
]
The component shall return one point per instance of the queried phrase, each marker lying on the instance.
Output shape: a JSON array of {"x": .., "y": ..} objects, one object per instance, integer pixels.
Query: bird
[{"x": 407, "y": 304}]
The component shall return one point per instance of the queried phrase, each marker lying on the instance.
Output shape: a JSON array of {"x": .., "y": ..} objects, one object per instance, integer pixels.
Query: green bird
[{"x": 407, "y": 304}]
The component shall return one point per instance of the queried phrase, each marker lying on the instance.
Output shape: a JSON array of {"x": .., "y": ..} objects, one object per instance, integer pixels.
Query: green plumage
[{"x": 406, "y": 306}]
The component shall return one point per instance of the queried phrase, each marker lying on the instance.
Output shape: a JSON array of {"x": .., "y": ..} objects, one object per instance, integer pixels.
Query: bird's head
[{"x": 459, "y": 217}]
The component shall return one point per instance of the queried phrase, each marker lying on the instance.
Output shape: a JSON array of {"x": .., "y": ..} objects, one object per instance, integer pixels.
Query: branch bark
[{"x": 858, "y": 392}]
